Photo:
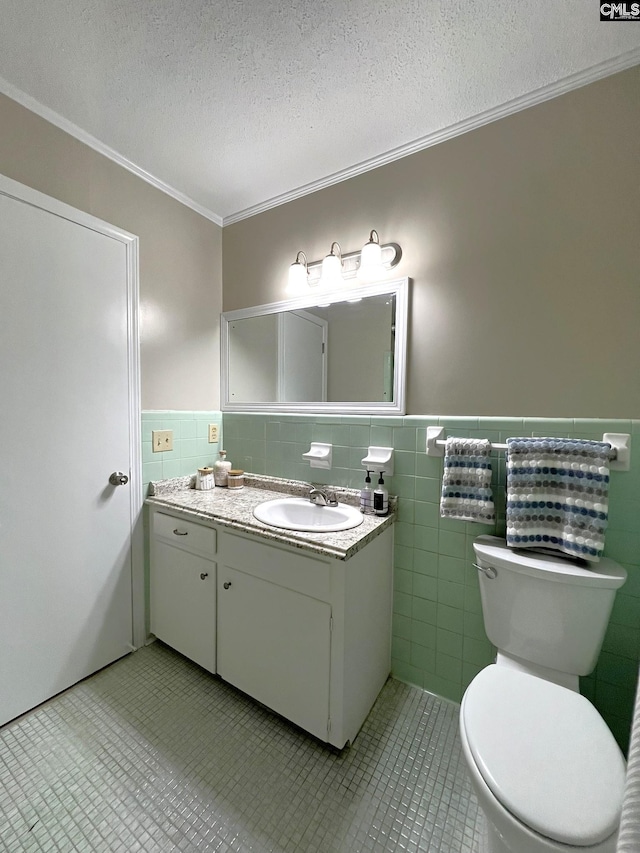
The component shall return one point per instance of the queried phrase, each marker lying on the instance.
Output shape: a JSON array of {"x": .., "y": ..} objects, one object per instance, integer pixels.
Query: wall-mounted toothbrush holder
[
  {"x": 319, "y": 455},
  {"x": 379, "y": 459}
]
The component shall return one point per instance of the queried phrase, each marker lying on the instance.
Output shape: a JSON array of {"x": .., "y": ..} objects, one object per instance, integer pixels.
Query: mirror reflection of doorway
[
  {"x": 302, "y": 357},
  {"x": 273, "y": 357}
]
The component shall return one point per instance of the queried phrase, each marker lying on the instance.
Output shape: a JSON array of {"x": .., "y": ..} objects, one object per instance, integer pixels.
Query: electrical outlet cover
[{"x": 213, "y": 433}]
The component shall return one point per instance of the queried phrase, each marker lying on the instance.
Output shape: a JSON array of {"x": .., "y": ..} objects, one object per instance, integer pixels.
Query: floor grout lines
[{"x": 154, "y": 755}]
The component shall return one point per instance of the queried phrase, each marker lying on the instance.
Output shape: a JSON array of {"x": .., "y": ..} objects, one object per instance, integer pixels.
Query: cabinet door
[
  {"x": 183, "y": 603},
  {"x": 275, "y": 645}
]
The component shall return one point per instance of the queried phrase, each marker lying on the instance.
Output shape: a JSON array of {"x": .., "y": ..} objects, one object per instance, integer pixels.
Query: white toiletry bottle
[
  {"x": 221, "y": 469},
  {"x": 366, "y": 496},
  {"x": 380, "y": 498}
]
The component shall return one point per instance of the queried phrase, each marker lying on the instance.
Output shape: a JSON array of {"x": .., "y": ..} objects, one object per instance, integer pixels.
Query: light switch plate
[
  {"x": 213, "y": 433},
  {"x": 161, "y": 440}
]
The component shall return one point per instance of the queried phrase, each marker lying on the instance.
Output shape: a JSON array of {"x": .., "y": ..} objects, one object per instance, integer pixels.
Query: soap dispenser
[
  {"x": 366, "y": 496},
  {"x": 380, "y": 498},
  {"x": 221, "y": 468}
]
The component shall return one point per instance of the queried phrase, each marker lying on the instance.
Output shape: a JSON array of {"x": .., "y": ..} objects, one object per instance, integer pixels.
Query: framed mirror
[{"x": 343, "y": 351}]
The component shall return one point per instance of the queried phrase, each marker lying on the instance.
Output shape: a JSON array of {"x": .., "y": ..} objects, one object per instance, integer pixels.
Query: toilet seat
[{"x": 545, "y": 754}]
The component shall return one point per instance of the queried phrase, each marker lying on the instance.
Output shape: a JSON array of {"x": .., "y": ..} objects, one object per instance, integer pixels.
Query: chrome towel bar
[{"x": 620, "y": 446}]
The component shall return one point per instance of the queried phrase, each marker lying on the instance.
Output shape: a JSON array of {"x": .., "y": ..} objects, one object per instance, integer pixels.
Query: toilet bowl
[{"x": 547, "y": 771}]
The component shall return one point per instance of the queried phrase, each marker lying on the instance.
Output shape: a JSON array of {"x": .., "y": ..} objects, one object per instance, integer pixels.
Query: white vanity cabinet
[
  {"x": 183, "y": 587},
  {"x": 305, "y": 634}
]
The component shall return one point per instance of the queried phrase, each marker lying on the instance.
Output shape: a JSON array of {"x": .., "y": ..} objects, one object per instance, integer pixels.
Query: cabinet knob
[
  {"x": 204, "y": 575},
  {"x": 226, "y": 584},
  {"x": 177, "y": 532}
]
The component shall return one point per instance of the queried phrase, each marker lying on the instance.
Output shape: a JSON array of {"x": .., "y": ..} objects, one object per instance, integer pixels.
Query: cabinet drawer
[
  {"x": 185, "y": 534},
  {"x": 294, "y": 570}
]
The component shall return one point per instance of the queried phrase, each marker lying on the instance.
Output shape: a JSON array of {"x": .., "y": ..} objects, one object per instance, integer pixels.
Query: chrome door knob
[{"x": 118, "y": 479}]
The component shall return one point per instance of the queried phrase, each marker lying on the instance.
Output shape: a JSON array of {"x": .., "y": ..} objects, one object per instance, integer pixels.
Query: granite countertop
[{"x": 234, "y": 509}]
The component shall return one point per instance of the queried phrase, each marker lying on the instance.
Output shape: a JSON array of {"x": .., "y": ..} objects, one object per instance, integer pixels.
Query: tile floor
[{"x": 154, "y": 754}]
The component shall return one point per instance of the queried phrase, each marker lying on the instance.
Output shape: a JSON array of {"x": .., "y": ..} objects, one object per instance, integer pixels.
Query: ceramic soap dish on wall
[
  {"x": 379, "y": 459},
  {"x": 319, "y": 455}
]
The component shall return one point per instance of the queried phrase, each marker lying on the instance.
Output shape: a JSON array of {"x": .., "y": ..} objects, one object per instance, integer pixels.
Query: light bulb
[
  {"x": 332, "y": 268},
  {"x": 371, "y": 259},
  {"x": 298, "y": 276}
]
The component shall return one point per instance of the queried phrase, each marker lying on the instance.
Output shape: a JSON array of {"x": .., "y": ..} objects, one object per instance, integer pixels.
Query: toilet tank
[{"x": 543, "y": 608}]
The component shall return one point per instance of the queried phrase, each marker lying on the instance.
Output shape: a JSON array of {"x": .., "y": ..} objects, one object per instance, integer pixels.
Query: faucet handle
[
  {"x": 323, "y": 495},
  {"x": 332, "y": 498}
]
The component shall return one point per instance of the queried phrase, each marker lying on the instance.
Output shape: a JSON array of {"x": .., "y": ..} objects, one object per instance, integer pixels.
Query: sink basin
[{"x": 301, "y": 514}]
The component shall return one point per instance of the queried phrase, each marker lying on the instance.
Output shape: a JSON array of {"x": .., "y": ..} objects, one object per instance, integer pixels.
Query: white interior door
[
  {"x": 68, "y": 362},
  {"x": 302, "y": 357}
]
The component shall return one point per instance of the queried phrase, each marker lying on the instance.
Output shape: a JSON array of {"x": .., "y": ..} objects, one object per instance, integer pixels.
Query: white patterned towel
[
  {"x": 466, "y": 480},
  {"x": 558, "y": 495}
]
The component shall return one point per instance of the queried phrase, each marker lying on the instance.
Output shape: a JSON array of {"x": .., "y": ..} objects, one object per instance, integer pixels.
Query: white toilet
[{"x": 547, "y": 772}]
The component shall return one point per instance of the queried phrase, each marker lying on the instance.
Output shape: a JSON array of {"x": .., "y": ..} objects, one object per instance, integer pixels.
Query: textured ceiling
[{"x": 237, "y": 103}]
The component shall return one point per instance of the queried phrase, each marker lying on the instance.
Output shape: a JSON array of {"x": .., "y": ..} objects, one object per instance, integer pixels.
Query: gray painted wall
[
  {"x": 521, "y": 239},
  {"x": 180, "y": 254}
]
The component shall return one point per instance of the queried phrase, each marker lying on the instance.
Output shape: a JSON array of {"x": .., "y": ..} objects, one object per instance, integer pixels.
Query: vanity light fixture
[
  {"x": 369, "y": 264},
  {"x": 371, "y": 268},
  {"x": 298, "y": 276},
  {"x": 332, "y": 268}
]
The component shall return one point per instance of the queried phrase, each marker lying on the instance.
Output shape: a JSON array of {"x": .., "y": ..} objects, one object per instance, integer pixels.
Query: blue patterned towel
[
  {"x": 558, "y": 495},
  {"x": 466, "y": 480}
]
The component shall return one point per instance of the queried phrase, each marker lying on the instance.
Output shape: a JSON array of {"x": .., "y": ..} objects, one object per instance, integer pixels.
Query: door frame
[{"x": 35, "y": 198}]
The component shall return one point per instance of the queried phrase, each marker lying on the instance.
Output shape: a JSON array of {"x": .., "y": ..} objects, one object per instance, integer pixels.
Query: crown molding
[
  {"x": 545, "y": 93},
  {"x": 531, "y": 99},
  {"x": 72, "y": 129}
]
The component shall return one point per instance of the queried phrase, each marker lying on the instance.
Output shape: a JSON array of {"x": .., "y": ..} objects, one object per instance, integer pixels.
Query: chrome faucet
[{"x": 322, "y": 497}]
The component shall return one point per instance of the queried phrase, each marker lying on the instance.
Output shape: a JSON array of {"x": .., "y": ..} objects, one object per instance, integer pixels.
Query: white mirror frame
[{"x": 398, "y": 288}]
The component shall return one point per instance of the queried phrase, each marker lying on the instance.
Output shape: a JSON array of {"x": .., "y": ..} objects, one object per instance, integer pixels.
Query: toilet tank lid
[
  {"x": 493, "y": 551},
  {"x": 546, "y": 755}
]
